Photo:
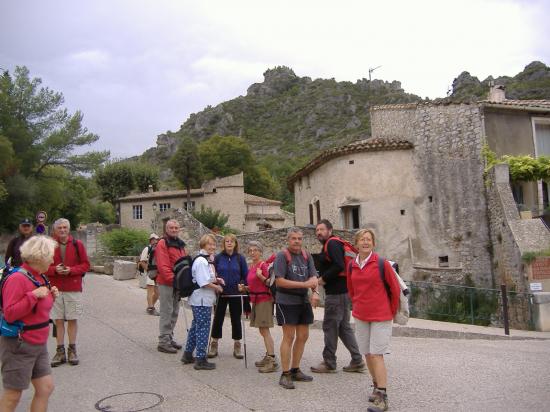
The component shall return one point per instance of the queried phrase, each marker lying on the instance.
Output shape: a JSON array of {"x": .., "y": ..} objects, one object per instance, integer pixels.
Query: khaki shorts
[
  {"x": 373, "y": 337},
  {"x": 262, "y": 315},
  {"x": 68, "y": 306},
  {"x": 22, "y": 362}
]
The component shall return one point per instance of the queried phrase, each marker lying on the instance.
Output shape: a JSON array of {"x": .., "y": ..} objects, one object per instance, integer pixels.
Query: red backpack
[{"x": 350, "y": 252}]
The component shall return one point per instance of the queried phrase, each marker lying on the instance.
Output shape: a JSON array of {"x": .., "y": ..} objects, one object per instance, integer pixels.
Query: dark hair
[{"x": 325, "y": 222}]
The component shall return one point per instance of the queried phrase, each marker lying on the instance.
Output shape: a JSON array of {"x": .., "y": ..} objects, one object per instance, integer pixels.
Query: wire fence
[{"x": 464, "y": 304}]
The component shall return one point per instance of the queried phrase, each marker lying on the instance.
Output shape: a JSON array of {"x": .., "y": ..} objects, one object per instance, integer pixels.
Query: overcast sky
[{"x": 138, "y": 68}]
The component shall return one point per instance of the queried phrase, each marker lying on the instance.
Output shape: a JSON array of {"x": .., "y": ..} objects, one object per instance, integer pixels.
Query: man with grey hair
[
  {"x": 294, "y": 274},
  {"x": 169, "y": 249},
  {"x": 70, "y": 264}
]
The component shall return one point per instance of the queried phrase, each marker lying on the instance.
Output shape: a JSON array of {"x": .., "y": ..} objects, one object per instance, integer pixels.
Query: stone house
[
  {"x": 419, "y": 182},
  {"x": 246, "y": 212}
]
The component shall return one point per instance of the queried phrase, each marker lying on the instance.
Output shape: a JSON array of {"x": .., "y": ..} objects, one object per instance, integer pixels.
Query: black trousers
[{"x": 234, "y": 312}]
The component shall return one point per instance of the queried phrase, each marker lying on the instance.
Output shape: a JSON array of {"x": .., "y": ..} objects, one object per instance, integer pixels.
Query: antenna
[{"x": 371, "y": 70}]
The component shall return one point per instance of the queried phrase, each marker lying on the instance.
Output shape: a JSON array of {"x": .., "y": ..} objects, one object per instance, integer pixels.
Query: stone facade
[{"x": 225, "y": 194}]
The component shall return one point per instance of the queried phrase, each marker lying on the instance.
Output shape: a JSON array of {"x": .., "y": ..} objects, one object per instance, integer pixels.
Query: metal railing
[{"x": 475, "y": 306}]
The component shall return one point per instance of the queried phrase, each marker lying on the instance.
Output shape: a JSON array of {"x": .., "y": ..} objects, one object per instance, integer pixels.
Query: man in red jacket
[
  {"x": 169, "y": 249},
  {"x": 70, "y": 264}
]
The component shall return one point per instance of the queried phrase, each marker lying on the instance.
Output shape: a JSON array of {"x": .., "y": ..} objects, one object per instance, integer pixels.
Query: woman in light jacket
[
  {"x": 201, "y": 301},
  {"x": 373, "y": 310}
]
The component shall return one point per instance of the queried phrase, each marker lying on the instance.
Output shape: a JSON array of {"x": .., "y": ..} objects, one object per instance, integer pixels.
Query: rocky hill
[
  {"x": 532, "y": 83},
  {"x": 287, "y": 116}
]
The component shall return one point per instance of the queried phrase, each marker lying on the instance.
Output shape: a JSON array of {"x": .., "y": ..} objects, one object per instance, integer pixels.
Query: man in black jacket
[
  {"x": 336, "y": 322},
  {"x": 12, "y": 251}
]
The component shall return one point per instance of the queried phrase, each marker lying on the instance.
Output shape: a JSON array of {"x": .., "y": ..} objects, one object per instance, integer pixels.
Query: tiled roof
[
  {"x": 368, "y": 145},
  {"x": 266, "y": 216},
  {"x": 258, "y": 200},
  {"x": 518, "y": 104},
  {"x": 166, "y": 194}
]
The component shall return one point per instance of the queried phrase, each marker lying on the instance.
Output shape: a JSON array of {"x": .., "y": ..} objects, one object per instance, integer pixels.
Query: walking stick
[
  {"x": 185, "y": 316},
  {"x": 244, "y": 331},
  {"x": 211, "y": 322}
]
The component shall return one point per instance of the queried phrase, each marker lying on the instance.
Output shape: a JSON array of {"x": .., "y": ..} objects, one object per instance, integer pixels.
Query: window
[
  {"x": 308, "y": 185},
  {"x": 164, "y": 207},
  {"x": 443, "y": 261},
  {"x": 351, "y": 162},
  {"x": 310, "y": 214},
  {"x": 351, "y": 217},
  {"x": 137, "y": 212},
  {"x": 192, "y": 205},
  {"x": 402, "y": 211},
  {"x": 542, "y": 138},
  {"x": 318, "y": 210}
]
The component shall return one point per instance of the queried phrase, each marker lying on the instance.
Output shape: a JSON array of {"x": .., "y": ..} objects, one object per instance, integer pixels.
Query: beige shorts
[
  {"x": 262, "y": 315},
  {"x": 373, "y": 337},
  {"x": 68, "y": 306},
  {"x": 22, "y": 362}
]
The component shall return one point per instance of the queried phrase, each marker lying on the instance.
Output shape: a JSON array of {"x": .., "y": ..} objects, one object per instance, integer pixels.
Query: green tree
[
  {"x": 102, "y": 212},
  {"x": 229, "y": 155},
  {"x": 39, "y": 169},
  {"x": 145, "y": 175},
  {"x": 211, "y": 218},
  {"x": 114, "y": 180},
  {"x": 187, "y": 167}
]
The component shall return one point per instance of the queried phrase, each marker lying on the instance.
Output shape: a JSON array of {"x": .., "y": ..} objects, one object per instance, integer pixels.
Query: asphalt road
[{"x": 117, "y": 348}]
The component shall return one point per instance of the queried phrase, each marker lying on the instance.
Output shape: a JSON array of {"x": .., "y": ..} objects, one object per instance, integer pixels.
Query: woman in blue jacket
[{"x": 231, "y": 267}]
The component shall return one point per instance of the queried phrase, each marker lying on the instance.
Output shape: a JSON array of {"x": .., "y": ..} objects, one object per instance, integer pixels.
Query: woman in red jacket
[
  {"x": 373, "y": 309},
  {"x": 26, "y": 297}
]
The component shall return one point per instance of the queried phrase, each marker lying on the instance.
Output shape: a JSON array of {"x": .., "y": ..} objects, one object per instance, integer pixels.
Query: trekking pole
[
  {"x": 244, "y": 332},
  {"x": 211, "y": 322},
  {"x": 185, "y": 316}
]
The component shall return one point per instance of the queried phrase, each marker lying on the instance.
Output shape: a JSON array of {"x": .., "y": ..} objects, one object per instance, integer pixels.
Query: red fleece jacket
[
  {"x": 77, "y": 262},
  {"x": 368, "y": 294},
  {"x": 166, "y": 256},
  {"x": 19, "y": 303}
]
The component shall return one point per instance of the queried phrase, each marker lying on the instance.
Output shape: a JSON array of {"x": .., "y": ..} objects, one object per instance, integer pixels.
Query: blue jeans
[{"x": 197, "y": 338}]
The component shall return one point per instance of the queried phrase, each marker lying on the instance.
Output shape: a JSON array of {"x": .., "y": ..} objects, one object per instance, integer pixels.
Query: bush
[
  {"x": 125, "y": 242},
  {"x": 211, "y": 218}
]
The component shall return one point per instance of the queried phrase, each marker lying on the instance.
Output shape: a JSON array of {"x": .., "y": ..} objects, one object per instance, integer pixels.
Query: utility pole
[{"x": 371, "y": 70}]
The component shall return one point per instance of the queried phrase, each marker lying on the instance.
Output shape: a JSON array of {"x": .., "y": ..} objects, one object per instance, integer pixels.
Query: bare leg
[
  {"x": 43, "y": 388},
  {"x": 302, "y": 334},
  {"x": 72, "y": 328},
  {"x": 155, "y": 295},
  {"x": 60, "y": 330},
  {"x": 268, "y": 341},
  {"x": 289, "y": 332},
  {"x": 9, "y": 400},
  {"x": 150, "y": 293},
  {"x": 379, "y": 369}
]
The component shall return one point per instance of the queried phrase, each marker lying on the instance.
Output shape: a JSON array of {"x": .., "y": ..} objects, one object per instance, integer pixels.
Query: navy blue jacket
[{"x": 233, "y": 270}]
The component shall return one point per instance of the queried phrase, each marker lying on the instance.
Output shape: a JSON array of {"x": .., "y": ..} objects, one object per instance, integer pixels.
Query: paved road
[{"x": 117, "y": 347}]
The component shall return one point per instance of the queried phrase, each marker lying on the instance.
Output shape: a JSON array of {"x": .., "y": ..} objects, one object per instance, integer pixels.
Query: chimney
[
  {"x": 150, "y": 189},
  {"x": 497, "y": 93}
]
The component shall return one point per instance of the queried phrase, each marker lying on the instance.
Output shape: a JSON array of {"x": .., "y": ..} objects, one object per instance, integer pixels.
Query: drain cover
[{"x": 129, "y": 402}]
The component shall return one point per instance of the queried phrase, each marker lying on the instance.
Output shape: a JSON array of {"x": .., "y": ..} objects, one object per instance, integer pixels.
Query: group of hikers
[
  {"x": 47, "y": 284},
  {"x": 223, "y": 280}
]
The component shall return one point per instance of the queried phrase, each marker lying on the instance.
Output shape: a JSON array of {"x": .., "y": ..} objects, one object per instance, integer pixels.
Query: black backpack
[{"x": 183, "y": 283}]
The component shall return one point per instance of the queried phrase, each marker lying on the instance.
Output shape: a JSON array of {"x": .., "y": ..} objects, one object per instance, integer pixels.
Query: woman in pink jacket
[
  {"x": 374, "y": 306},
  {"x": 27, "y": 298}
]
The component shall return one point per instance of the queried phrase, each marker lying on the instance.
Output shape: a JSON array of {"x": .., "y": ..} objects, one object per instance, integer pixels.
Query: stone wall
[
  {"x": 90, "y": 236},
  {"x": 511, "y": 236}
]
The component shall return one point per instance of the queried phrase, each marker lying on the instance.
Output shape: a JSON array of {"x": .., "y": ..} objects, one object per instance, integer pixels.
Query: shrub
[
  {"x": 125, "y": 242},
  {"x": 211, "y": 218}
]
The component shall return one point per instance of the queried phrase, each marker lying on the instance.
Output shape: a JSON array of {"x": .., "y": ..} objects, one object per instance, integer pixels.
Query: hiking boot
[
  {"x": 187, "y": 358},
  {"x": 322, "y": 368},
  {"x": 213, "y": 351},
  {"x": 237, "y": 350},
  {"x": 300, "y": 376},
  {"x": 379, "y": 403},
  {"x": 354, "y": 367},
  {"x": 203, "y": 364},
  {"x": 270, "y": 365},
  {"x": 374, "y": 390},
  {"x": 72, "y": 356},
  {"x": 262, "y": 362},
  {"x": 152, "y": 311},
  {"x": 286, "y": 381},
  {"x": 176, "y": 345},
  {"x": 59, "y": 357},
  {"x": 166, "y": 348}
]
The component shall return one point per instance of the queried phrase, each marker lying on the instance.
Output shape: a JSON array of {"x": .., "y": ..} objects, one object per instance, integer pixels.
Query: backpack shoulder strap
[
  {"x": 381, "y": 262},
  {"x": 287, "y": 256},
  {"x": 75, "y": 244},
  {"x": 325, "y": 246}
]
